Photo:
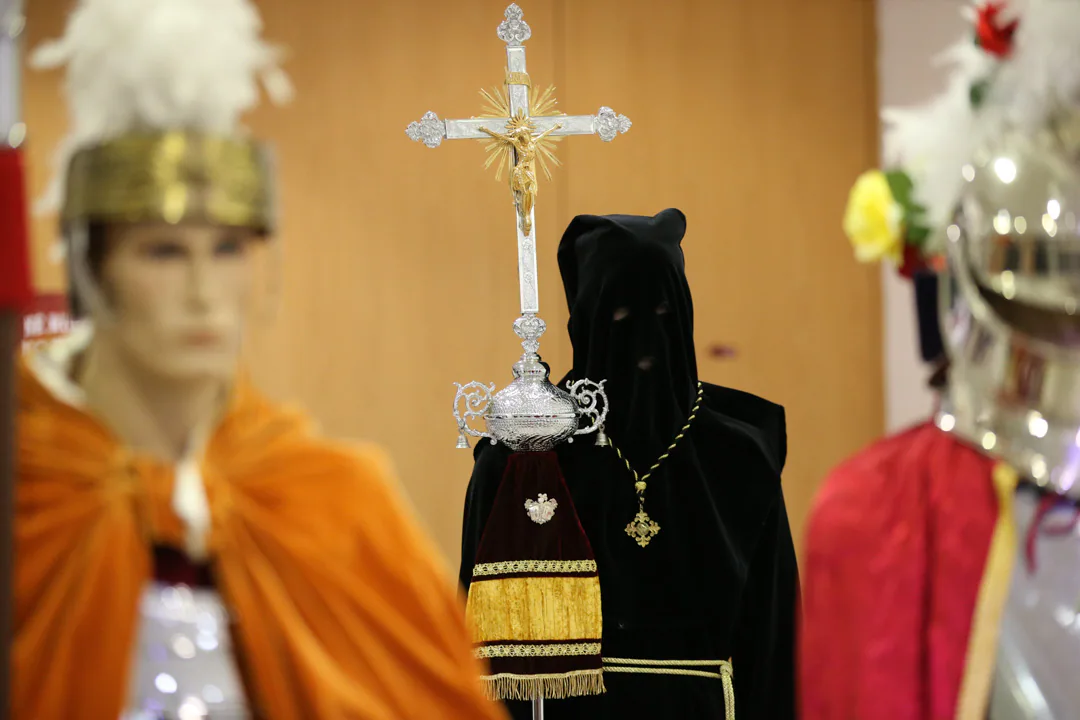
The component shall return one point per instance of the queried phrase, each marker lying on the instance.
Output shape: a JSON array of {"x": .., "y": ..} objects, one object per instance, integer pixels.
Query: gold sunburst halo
[{"x": 501, "y": 154}]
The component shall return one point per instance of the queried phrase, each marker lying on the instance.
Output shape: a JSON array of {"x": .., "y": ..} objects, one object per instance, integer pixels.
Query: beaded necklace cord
[{"x": 643, "y": 528}]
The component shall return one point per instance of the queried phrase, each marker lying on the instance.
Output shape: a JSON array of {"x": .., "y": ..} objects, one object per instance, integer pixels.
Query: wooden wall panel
[{"x": 399, "y": 262}]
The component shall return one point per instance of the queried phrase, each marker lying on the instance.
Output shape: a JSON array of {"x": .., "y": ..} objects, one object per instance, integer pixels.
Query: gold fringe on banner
[{"x": 506, "y": 686}]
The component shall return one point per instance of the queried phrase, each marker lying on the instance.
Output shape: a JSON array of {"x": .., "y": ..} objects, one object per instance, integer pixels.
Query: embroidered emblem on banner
[{"x": 541, "y": 509}]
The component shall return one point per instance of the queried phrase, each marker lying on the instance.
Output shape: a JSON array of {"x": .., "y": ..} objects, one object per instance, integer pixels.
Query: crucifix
[
  {"x": 522, "y": 135},
  {"x": 530, "y": 414}
]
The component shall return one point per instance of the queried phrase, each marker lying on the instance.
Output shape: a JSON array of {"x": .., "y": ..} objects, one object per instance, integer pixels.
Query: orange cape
[{"x": 342, "y": 607}]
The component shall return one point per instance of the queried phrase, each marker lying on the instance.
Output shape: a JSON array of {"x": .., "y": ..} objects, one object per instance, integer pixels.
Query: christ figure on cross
[
  {"x": 523, "y": 177},
  {"x": 510, "y": 118}
]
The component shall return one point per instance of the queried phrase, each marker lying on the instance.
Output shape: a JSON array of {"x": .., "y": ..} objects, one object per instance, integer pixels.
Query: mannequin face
[{"x": 176, "y": 297}]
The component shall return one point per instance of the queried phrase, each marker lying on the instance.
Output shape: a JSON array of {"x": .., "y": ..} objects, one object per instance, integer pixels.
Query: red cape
[{"x": 895, "y": 552}]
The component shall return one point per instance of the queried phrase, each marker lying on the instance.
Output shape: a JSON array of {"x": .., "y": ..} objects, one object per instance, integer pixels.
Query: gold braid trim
[
  {"x": 668, "y": 667},
  {"x": 546, "y": 650},
  {"x": 663, "y": 671},
  {"x": 515, "y": 567},
  {"x": 993, "y": 592},
  {"x": 722, "y": 664},
  {"x": 559, "y": 686},
  {"x": 671, "y": 448}
]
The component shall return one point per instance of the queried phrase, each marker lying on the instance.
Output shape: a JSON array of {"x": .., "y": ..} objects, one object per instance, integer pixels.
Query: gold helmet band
[{"x": 172, "y": 177}]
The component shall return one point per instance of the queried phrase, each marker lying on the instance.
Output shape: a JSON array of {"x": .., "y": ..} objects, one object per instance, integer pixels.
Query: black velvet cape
[{"x": 720, "y": 580}]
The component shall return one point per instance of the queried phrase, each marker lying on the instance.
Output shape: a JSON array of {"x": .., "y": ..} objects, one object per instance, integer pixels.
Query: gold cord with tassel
[{"x": 643, "y": 528}]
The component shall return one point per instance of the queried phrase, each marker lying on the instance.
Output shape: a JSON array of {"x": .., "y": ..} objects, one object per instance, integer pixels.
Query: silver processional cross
[
  {"x": 530, "y": 413},
  {"x": 521, "y": 136}
]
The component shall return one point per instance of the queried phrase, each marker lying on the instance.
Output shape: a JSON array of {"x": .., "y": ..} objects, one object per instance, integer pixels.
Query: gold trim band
[
  {"x": 518, "y": 78},
  {"x": 515, "y": 567},
  {"x": 545, "y": 650},
  {"x": 172, "y": 177},
  {"x": 990, "y": 602}
]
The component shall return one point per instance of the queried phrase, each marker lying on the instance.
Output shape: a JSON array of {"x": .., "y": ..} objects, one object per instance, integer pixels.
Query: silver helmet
[
  {"x": 1010, "y": 300},
  {"x": 1010, "y": 304}
]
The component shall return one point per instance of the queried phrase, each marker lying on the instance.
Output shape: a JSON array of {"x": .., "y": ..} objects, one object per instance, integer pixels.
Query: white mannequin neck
[{"x": 151, "y": 414}]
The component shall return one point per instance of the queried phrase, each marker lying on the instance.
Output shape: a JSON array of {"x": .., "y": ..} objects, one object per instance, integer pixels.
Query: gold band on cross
[{"x": 518, "y": 78}]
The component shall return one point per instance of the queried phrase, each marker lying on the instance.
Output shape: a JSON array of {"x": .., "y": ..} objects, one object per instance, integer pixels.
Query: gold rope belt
[{"x": 680, "y": 667}]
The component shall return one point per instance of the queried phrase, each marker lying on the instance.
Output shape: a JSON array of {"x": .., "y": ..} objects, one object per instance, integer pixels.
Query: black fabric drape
[{"x": 720, "y": 580}]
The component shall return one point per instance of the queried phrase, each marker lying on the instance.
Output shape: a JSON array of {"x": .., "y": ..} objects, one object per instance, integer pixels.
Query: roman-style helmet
[
  {"x": 155, "y": 90},
  {"x": 1009, "y": 310}
]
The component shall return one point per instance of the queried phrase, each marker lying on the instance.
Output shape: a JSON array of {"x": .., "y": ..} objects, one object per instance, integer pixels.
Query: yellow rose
[{"x": 873, "y": 220}]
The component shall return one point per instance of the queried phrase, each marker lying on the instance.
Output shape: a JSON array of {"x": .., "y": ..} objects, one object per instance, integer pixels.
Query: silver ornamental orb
[
  {"x": 530, "y": 414},
  {"x": 1009, "y": 305}
]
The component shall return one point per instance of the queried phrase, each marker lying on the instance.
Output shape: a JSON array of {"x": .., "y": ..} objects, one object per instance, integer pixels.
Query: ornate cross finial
[
  {"x": 609, "y": 124},
  {"x": 520, "y": 126},
  {"x": 430, "y": 130},
  {"x": 513, "y": 30}
]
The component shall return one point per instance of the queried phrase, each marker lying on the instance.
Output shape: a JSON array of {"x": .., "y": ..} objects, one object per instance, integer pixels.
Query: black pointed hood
[{"x": 632, "y": 322}]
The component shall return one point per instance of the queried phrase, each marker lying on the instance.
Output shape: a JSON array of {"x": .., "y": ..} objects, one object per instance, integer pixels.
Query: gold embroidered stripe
[
  {"x": 517, "y": 567},
  {"x": 535, "y": 609},
  {"x": 543, "y": 650}
]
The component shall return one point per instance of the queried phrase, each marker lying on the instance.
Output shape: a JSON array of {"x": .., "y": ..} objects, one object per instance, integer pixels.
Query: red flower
[
  {"x": 913, "y": 261},
  {"x": 989, "y": 35}
]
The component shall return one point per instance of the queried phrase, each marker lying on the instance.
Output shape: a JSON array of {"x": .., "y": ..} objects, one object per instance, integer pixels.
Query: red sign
[{"x": 47, "y": 318}]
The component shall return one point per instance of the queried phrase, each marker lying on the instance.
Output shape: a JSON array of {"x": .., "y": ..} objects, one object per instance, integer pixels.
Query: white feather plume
[
  {"x": 1042, "y": 74},
  {"x": 158, "y": 65},
  {"x": 932, "y": 142}
]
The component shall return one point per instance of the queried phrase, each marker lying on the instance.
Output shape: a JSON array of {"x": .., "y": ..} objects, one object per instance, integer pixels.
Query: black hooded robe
[{"x": 720, "y": 579}]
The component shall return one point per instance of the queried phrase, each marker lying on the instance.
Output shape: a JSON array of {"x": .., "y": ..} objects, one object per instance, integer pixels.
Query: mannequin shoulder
[
  {"x": 759, "y": 424},
  {"x": 335, "y": 489},
  {"x": 279, "y": 446},
  {"x": 309, "y": 464}
]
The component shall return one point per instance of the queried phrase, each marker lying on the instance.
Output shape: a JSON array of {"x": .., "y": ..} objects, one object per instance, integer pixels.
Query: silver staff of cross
[{"x": 521, "y": 134}]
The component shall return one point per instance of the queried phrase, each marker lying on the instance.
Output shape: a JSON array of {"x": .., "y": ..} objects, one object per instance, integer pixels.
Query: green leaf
[
  {"x": 917, "y": 234},
  {"x": 915, "y": 222},
  {"x": 977, "y": 93},
  {"x": 901, "y": 187}
]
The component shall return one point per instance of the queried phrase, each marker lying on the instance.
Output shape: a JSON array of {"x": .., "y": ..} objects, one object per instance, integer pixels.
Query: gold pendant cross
[{"x": 643, "y": 528}]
